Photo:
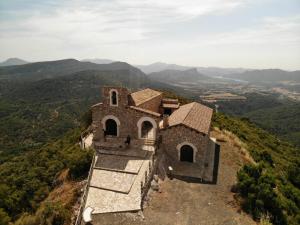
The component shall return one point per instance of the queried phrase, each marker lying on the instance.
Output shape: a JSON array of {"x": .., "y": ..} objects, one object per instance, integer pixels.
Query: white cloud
[
  {"x": 113, "y": 20},
  {"x": 271, "y": 31},
  {"x": 132, "y": 30}
]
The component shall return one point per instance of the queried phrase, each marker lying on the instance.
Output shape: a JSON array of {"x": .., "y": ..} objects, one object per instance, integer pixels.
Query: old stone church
[{"x": 137, "y": 135}]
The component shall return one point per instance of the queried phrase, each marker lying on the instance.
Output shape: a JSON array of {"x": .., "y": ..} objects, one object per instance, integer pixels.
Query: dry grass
[
  {"x": 265, "y": 220},
  {"x": 227, "y": 136}
]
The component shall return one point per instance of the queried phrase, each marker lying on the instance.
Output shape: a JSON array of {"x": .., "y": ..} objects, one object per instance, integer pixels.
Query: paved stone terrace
[
  {"x": 112, "y": 181},
  {"x": 121, "y": 163},
  {"x": 117, "y": 175}
]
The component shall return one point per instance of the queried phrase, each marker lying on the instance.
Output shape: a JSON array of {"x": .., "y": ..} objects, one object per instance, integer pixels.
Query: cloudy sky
[{"x": 224, "y": 33}]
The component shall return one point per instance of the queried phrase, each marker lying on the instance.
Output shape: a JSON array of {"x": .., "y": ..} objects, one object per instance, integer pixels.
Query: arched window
[{"x": 113, "y": 97}]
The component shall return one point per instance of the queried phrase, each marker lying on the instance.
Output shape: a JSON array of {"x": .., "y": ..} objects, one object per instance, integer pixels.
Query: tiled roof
[
  {"x": 193, "y": 115},
  {"x": 143, "y": 96}
]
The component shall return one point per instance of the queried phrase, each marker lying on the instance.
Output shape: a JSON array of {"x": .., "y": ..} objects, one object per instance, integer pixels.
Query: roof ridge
[{"x": 192, "y": 103}]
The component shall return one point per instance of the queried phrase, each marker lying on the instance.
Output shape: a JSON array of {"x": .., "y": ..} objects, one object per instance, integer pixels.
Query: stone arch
[
  {"x": 114, "y": 118},
  {"x": 114, "y": 97},
  {"x": 182, "y": 145},
  {"x": 146, "y": 121}
]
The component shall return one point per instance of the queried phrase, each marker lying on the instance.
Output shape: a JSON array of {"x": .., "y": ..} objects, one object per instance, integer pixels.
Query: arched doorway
[
  {"x": 147, "y": 130},
  {"x": 186, "y": 153},
  {"x": 111, "y": 127}
]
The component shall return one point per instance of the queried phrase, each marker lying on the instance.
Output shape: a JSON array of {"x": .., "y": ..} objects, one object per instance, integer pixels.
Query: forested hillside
[
  {"x": 272, "y": 185},
  {"x": 279, "y": 116}
]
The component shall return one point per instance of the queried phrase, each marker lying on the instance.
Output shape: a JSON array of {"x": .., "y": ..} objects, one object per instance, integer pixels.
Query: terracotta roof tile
[
  {"x": 143, "y": 96},
  {"x": 193, "y": 115}
]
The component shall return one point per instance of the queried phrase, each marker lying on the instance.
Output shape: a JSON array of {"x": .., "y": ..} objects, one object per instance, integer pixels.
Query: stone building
[{"x": 135, "y": 135}]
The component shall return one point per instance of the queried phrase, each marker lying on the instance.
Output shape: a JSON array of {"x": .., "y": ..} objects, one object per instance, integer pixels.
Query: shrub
[
  {"x": 294, "y": 173},
  {"x": 4, "y": 218},
  {"x": 79, "y": 162},
  {"x": 257, "y": 185},
  {"x": 50, "y": 213}
]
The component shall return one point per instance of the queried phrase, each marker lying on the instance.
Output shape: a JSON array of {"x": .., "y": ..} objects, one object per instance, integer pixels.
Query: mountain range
[
  {"x": 173, "y": 76},
  {"x": 13, "y": 62},
  {"x": 158, "y": 70},
  {"x": 266, "y": 75},
  {"x": 52, "y": 69}
]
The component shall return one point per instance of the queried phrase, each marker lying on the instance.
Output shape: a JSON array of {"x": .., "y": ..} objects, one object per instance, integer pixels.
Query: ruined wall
[
  {"x": 153, "y": 104},
  {"x": 176, "y": 135}
]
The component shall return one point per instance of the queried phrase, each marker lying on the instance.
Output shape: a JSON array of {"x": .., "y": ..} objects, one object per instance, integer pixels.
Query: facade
[
  {"x": 137, "y": 135},
  {"x": 182, "y": 132}
]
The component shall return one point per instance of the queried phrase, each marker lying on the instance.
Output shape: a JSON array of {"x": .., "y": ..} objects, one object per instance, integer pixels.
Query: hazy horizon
[{"x": 219, "y": 33}]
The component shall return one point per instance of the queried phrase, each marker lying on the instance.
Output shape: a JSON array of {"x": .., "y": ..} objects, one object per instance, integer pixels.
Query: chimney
[{"x": 165, "y": 121}]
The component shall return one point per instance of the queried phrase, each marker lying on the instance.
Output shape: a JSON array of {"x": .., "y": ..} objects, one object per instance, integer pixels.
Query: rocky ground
[{"x": 181, "y": 202}]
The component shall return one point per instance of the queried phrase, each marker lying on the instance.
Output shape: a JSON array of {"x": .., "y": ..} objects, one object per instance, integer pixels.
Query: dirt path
[{"x": 186, "y": 203}]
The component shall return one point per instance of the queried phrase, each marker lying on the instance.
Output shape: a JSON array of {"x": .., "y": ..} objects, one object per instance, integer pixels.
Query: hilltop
[
  {"x": 43, "y": 107},
  {"x": 13, "y": 62}
]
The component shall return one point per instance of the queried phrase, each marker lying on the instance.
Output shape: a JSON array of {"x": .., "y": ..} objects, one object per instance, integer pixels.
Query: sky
[{"x": 222, "y": 33}]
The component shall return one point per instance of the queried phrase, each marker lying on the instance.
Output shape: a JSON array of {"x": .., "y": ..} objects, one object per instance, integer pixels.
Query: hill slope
[
  {"x": 51, "y": 69},
  {"x": 279, "y": 116},
  {"x": 174, "y": 76},
  {"x": 267, "y": 75},
  {"x": 13, "y": 62},
  {"x": 159, "y": 66}
]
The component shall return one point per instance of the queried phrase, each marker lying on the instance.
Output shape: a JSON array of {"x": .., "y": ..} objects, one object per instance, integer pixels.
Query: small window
[{"x": 113, "y": 98}]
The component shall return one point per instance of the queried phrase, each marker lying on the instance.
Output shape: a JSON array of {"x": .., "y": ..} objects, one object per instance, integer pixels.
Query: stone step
[{"x": 149, "y": 142}]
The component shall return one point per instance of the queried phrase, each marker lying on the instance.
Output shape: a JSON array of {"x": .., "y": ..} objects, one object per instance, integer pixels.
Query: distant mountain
[
  {"x": 98, "y": 61},
  {"x": 159, "y": 66},
  {"x": 13, "y": 62},
  {"x": 218, "y": 71},
  {"x": 51, "y": 69},
  {"x": 267, "y": 75},
  {"x": 173, "y": 76}
]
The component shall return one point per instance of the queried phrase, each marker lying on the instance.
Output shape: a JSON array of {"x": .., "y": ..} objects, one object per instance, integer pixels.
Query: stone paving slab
[
  {"x": 103, "y": 201},
  {"x": 131, "y": 152},
  {"x": 110, "y": 180},
  {"x": 119, "y": 163}
]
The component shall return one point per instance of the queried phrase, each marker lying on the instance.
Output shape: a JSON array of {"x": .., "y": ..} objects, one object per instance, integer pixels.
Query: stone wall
[
  {"x": 176, "y": 135},
  {"x": 128, "y": 120},
  {"x": 122, "y": 96},
  {"x": 153, "y": 104}
]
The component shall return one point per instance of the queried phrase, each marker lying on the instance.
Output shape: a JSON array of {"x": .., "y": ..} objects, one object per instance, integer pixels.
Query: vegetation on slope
[
  {"x": 279, "y": 116},
  {"x": 272, "y": 185},
  {"x": 26, "y": 180}
]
